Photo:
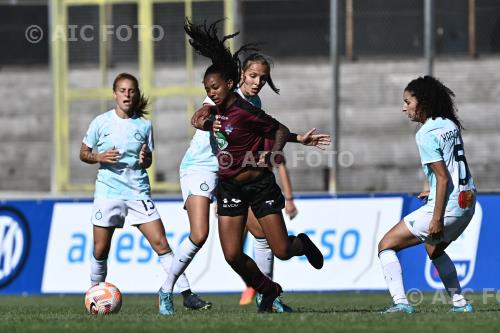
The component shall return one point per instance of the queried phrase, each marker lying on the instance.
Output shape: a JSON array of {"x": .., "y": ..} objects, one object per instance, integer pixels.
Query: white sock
[
  {"x": 183, "y": 257},
  {"x": 181, "y": 281},
  {"x": 448, "y": 274},
  {"x": 393, "y": 275},
  {"x": 98, "y": 270},
  {"x": 264, "y": 257}
]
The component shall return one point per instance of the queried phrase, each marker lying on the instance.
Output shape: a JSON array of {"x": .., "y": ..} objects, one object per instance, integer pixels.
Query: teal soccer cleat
[
  {"x": 267, "y": 300},
  {"x": 166, "y": 306},
  {"x": 278, "y": 305},
  {"x": 402, "y": 308},
  {"x": 466, "y": 308}
]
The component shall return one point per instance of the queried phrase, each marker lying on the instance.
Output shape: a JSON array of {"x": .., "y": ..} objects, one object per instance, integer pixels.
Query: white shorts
[
  {"x": 419, "y": 220},
  {"x": 116, "y": 212},
  {"x": 198, "y": 183}
]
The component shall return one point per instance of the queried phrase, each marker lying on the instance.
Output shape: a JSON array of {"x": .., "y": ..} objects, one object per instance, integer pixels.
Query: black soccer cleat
[
  {"x": 266, "y": 304},
  {"x": 194, "y": 302},
  {"x": 311, "y": 251}
]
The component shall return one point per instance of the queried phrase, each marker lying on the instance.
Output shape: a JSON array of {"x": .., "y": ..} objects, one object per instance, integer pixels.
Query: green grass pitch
[{"x": 320, "y": 312}]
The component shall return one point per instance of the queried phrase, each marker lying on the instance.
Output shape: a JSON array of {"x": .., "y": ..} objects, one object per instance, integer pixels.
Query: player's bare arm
[
  {"x": 436, "y": 226},
  {"x": 280, "y": 139},
  {"x": 290, "y": 208},
  {"x": 310, "y": 139},
  {"x": 110, "y": 156},
  {"x": 145, "y": 157},
  {"x": 201, "y": 118}
]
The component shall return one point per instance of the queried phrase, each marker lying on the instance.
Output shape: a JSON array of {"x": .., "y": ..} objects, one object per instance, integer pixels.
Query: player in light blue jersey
[
  {"x": 123, "y": 140},
  {"x": 451, "y": 199}
]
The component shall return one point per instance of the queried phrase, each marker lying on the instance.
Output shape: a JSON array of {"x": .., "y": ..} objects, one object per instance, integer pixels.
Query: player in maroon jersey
[{"x": 245, "y": 179}]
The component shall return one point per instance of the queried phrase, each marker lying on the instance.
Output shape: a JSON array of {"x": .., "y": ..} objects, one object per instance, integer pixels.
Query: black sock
[{"x": 186, "y": 293}]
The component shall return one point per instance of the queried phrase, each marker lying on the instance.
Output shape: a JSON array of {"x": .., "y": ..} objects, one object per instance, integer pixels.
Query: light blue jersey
[
  {"x": 202, "y": 152},
  {"x": 440, "y": 139},
  {"x": 254, "y": 100},
  {"x": 124, "y": 180}
]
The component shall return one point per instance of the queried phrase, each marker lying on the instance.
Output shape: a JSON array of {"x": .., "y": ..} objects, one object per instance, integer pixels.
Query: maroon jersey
[{"x": 244, "y": 129}]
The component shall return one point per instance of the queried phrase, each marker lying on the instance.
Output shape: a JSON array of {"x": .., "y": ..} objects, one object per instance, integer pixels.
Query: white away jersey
[
  {"x": 124, "y": 180},
  {"x": 202, "y": 152},
  {"x": 440, "y": 139}
]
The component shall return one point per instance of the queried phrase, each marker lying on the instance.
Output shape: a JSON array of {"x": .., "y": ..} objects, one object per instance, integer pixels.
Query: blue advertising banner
[
  {"x": 35, "y": 247},
  {"x": 24, "y": 229}
]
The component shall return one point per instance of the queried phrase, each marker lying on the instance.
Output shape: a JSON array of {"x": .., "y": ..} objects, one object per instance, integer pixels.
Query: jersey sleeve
[
  {"x": 256, "y": 101},
  {"x": 92, "y": 136},
  {"x": 150, "y": 138},
  {"x": 429, "y": 148},
  {"x": 208, "y": 101},
  {"x": 263, "y": 123}
]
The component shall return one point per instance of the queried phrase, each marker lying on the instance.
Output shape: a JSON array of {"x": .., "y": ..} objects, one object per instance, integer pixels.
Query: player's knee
[
  {"x": 199, "y": 237},
  {"x": 282, "y": 254},
  {"x": 233, "y": 259},
  {"x": 160, "y": 245},
  {"x": 101, "y": 251},
  {"x": 384, "y": 244},
  {"x": 433, "y": 254}
]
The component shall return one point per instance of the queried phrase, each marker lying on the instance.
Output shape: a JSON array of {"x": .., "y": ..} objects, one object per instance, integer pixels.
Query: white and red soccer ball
[{"x": 103, "y": 299}]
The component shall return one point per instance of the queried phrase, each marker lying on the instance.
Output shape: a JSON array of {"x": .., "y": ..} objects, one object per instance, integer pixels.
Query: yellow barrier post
[{"x": 64, "y": 94}]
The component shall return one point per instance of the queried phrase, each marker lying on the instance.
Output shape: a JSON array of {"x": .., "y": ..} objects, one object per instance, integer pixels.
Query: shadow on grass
[{"x": 337, "y": 310}]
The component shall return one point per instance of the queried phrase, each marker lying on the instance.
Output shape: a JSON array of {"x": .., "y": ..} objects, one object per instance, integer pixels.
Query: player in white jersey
[
  {"x": 451, "y": 199},
  {"x": 123, "y": 139}
]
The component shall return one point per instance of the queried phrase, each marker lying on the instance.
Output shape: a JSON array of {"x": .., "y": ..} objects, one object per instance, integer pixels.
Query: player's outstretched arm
[
  {"x": 310, "y": 139},
  {"x": 280, "y": 139}
]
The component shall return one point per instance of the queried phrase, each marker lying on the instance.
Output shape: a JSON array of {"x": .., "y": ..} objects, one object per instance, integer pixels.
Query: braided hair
[
  {"x": 434, "y": 98},
  {"x": 205, "y": 41}
]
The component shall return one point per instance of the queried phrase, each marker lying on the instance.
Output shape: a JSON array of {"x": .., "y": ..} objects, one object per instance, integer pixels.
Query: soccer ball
[{"x": 103, "y": 299}]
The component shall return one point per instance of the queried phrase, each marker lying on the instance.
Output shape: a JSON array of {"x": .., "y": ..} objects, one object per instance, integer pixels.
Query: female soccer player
[
  {"x": 255, "y": 73},
  {"x": 198, "y": 176},
  {"x": 123, "y": 139},
  {"x": 244, "y": 176},
  {"x": 451, "y": 200}
]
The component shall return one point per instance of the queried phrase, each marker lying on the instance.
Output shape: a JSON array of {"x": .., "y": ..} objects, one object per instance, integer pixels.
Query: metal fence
[{"x": 380, "y": 44}]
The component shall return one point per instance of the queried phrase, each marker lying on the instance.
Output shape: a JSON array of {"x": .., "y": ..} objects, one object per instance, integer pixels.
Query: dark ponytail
[{"x": 204, "y": 40}]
